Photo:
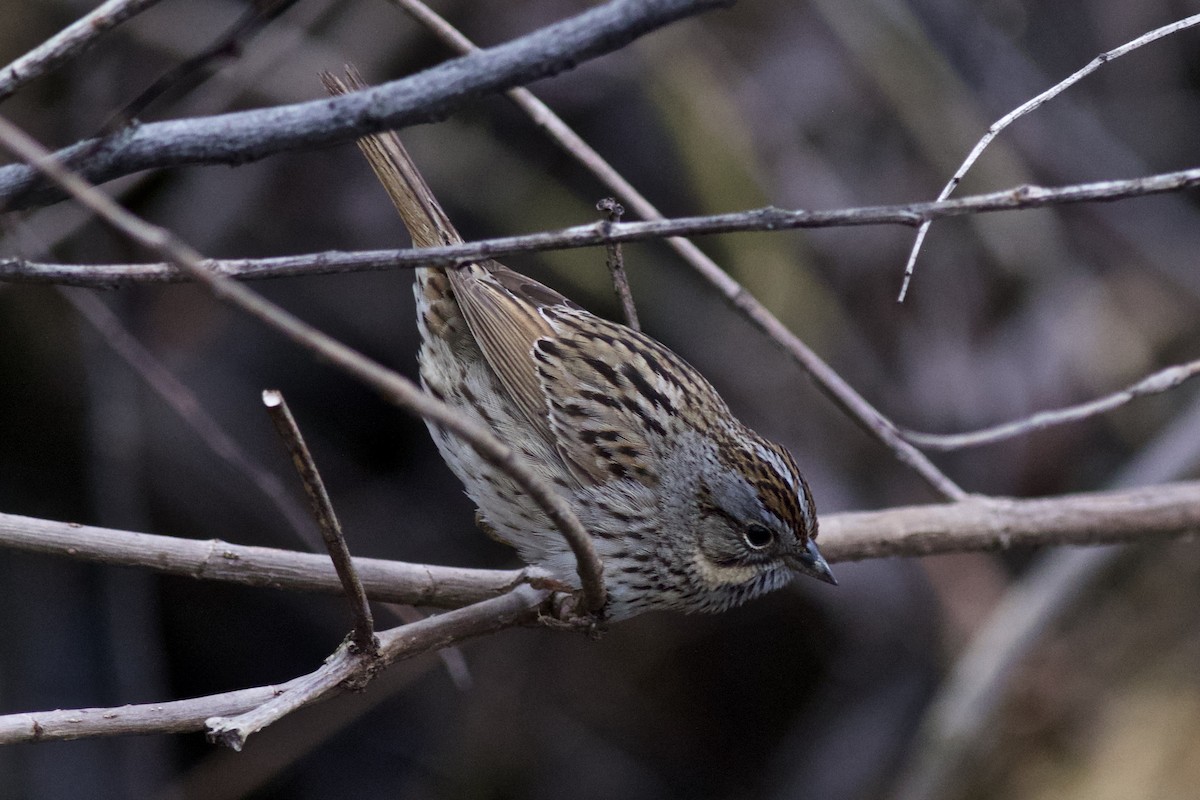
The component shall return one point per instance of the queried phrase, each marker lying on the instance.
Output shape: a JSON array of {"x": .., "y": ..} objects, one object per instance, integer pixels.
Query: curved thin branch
[
  {"x": 600, "y": 233},
  {"x": 1030, "y": 105},
  {"x": 1156, "y": 383},
  {"x": 240, "y": 137},
  {"x": 956, "y": 723}
]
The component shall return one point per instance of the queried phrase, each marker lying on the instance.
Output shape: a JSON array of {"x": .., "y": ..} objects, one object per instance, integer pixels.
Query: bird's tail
[{"x": 427, "y": 223}]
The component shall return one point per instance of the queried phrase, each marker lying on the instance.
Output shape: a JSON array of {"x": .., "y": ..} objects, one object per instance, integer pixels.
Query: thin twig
[
  {"x": 363, "y": 636},
  {"x": 999, "y": 125},
  {"x": 71, "y": 41},
  {"x": 757, "y": 219},
  {"x": 181, "y": 78},
  {"x": 1157, "y": 383},
  {"x": 616, "y": 265},
  {"x": 827, "y": 380},
  {"x": 394, "y": 387},
  {"x": 242, "y": 136}
]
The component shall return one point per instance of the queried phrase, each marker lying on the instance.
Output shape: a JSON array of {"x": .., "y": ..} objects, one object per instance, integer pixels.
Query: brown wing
[
  {"x": 598, "y": 393},
  {"x": 506, "y": 325},
  {"x": 617, "y": 397}
]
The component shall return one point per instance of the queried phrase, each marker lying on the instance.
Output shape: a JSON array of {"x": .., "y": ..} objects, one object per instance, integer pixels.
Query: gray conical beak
[{"x": 813, "y": 564}]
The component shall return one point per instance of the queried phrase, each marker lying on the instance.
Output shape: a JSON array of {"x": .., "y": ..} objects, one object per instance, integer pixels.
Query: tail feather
[{"x": 427, "y": 223}]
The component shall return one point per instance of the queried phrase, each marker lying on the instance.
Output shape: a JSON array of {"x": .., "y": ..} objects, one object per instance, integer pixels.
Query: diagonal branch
[
  {"x": 243, "y": 136},
  {"x": 843, "y": 395}
]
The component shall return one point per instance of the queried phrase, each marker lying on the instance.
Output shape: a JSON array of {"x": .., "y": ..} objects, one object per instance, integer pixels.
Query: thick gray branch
[{"x": 243, "y": 136}]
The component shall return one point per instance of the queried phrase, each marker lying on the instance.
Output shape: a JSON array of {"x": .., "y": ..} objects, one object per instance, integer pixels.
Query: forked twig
[
  {"x": 347, "y": 668},
  {"x": 1030, "y": 105}
]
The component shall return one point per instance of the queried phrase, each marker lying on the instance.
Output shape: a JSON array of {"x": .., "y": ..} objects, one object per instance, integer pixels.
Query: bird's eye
[{"x": 758, "y": 536}]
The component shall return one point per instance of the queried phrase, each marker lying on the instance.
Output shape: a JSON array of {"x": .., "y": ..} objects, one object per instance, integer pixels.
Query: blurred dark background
[{"x": 810, "y": 693}]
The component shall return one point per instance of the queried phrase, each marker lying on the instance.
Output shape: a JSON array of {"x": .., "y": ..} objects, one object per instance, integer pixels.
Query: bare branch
[
  {"x": 392, "y": 386},
  {"x": 999, "y": 125},
  {"x": 592, "y": 235},
  {"x": 190, "y": 73},
  {"x": 345, "y": 666},
  {"x": 965, "y": 707},
  {"x": 517, "y": 607},
  {"x": 985, "y": 524},
  {"x": 71, "y": 41},
  {"x": 239, "y": 137},
  {"x": 825, "y": 377},
  {"x": 213, "y": 559},
  {"x": 327, "y": 522},
  {"x": 976, "y": 524},
  {"x": 1157, "y": 383}
]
